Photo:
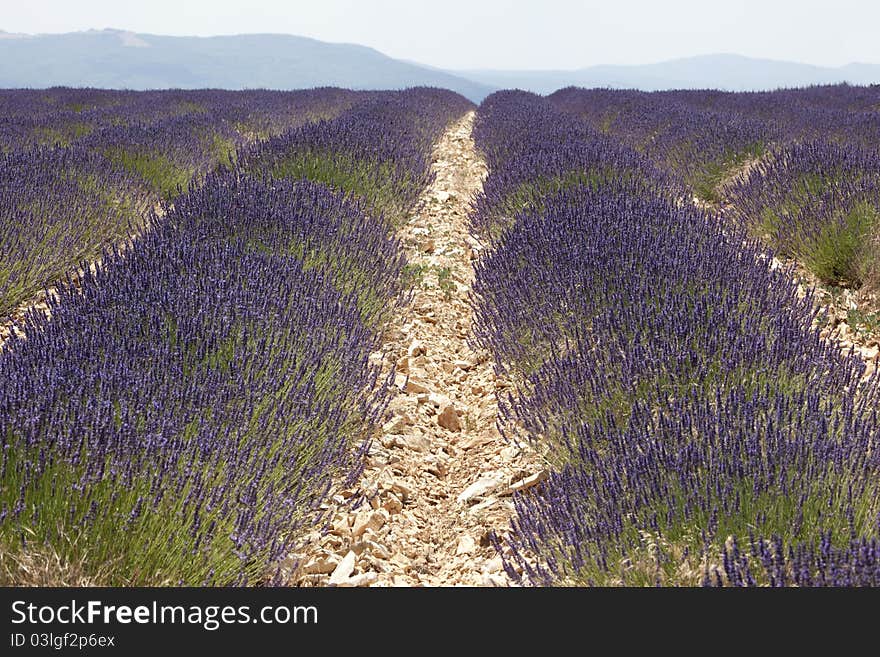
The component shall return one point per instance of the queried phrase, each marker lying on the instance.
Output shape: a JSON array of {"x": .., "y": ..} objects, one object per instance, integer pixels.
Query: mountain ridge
[
  {"x": 727, "y": 71},
  {"x": 106, "y": 58},
  {"x": 115, "y": 58}
]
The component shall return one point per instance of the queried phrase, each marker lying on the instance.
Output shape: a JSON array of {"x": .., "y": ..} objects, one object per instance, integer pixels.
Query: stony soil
[
  {"x": 842, "y": 314},
  {"x": 439, "y": 477}
]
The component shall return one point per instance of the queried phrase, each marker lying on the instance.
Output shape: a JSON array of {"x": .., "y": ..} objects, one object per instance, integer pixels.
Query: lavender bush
[
  {"x": 533, "y": 151},
  {"x": 305, "y": 220}
]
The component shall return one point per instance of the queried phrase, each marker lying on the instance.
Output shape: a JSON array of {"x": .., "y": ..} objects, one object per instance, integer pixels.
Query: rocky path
[{"x": 439, "y": 477}]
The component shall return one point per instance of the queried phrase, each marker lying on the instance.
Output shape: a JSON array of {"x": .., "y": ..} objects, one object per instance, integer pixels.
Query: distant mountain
[
  {"x": 119, "y": 59},
  {"x": 728, "y": 72}
]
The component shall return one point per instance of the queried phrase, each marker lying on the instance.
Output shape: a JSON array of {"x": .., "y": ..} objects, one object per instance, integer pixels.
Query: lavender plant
[
  {"x": 554, "y": 154},
  {"x": 305, "y": 220}
]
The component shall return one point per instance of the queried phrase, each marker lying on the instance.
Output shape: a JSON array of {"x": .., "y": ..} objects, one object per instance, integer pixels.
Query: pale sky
[{"x": 497, "y": 34}]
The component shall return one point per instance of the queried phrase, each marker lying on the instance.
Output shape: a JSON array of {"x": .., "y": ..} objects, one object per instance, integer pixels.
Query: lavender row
[
  {"x": 181, "y": 416},
  {"x": 699, "y": 147},
  {"x": 799, "y": 167},
  {"x": 676, "y": 386},
  {"x": 533, "y": 150},
  {"x": 818, "y": 202},
  {"x": 62, "y": 205},
  {"x": 63, "y": 116},
  {"x": 60, "y": 208},
  {"x": 200, "y": 393},
  {"x": 379, "y": 151}
]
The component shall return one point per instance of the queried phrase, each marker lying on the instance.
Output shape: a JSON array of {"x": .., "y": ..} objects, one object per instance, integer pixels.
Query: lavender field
[{"x": 675, "y": 295}]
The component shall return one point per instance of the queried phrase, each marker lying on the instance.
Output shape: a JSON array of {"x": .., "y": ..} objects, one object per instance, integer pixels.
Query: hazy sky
[{"x": 498, "y": 34}]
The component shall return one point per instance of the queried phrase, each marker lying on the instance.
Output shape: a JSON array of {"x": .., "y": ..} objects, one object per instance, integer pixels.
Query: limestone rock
[
  {"x": 344, "y": 569},
  {"x": 449, "y": 419},
  {"x": 479, "y": 488},
  {"x": 466, "y": 544}
]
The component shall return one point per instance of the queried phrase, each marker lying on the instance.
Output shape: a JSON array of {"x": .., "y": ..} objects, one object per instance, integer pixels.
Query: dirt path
[{"x": 439, "y": 477}]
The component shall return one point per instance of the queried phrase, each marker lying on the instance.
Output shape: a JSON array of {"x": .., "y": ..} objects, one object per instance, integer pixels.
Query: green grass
[
  {"x": 840, "y": 252},
  {"x": 223, "y": 150},
  {"x": 164, "y": 176},
  {"x": 413, "y": 275},
  {"x": 864, "y": 323},
  {"x": 190, "y": 107},
  {"x": 62, "y": 135},
  {"x": 708, "y": 180},
  {"x": 445, "y": 282},
  {"x": 379, "y": 185}
]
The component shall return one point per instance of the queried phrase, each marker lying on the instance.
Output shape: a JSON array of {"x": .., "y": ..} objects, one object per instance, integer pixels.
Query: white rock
[
  {"x": 494, "y": 580},
  {"x": 368, "y": 519},
  {"x": 466, "y": 545},
  {"x": 439, "y": 399},
  {"x": 416, "y": 387},
  {"x": 494, "y": 565},
  {"x": 479, "y": 488},
  {"x": 344, "y": 568},
  {"x": 397, "y": 424},
  {"x": 509, "y": 453},
  {"x": 321, "y": 565},
  {"x": 417, "y": 443},
  {"x": 378, "y": 550}
]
